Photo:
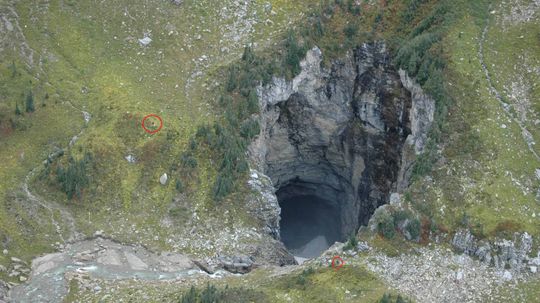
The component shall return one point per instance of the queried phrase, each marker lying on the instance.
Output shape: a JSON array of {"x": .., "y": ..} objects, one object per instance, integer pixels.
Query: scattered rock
[
  {"x": 5, "y": 252},
  {"x": 145, "y": 41},
  {"x": 22, "y": 278},
  {"x": 14, "y": 274},
  {"x": 177, "y": 2},
  {"x": 507, "y": 275},
  {"x": 4, "y": 288},
  {"x": 163, "y": 179},
  {"x": 362, "y": 246},
  {"x": 17, "y": 260},
  {"x": 84, "y": 256},
  {"x": 395, "y": 199},
  {"x": 3, "y": 268},
  {"x": 131, "y": 158}
]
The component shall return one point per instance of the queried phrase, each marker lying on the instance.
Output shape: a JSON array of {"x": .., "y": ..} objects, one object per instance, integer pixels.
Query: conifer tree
[{"x": 29, "y": 103}]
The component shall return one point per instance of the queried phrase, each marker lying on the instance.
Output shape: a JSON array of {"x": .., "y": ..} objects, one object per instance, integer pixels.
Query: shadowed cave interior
[{"x": 309, "y": 224}]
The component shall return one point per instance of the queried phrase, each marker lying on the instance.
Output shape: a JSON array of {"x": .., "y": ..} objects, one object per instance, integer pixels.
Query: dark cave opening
[{"x": 309, "y": 223}]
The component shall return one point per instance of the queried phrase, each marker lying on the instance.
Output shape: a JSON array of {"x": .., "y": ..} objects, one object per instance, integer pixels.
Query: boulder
[
  {"x": 507, "y": 275},
  {"x": 236, "y": 264},
  {"x": 131, "y": 158},
  {"x": 145, "y": 41},
  {"x": 163, "y": 179},
  {"x": 204, "y": 266},
  {"x": 17, "y": 260}
]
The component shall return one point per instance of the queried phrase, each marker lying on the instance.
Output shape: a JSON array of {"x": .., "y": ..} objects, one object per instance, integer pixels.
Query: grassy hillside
[
  {"x": 480, "y": 61},
  {"x": 485, "y": 176},
  {"x": 86, "y": 56}
]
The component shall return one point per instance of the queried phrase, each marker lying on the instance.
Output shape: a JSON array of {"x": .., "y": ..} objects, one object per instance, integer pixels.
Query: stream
[{"x": 103, "y": 259}]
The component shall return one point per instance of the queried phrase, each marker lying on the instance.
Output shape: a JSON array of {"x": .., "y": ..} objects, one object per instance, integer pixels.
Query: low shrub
[
  {"x": 386, "y": 227},
  {"x": 352, "y": 243}
]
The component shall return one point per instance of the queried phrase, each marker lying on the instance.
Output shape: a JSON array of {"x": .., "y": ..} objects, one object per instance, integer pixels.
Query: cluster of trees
[
  {"x": 210, "y": 294},
  {"x": 28, "y": 104},
  {"x": 420, "y": 53},
  {"x": 228, "y": 139},
  {"x": 73, "y": 177}
]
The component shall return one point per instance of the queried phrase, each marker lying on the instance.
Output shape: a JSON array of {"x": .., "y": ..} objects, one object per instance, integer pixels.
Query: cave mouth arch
[{"x": 336, "y": 142}]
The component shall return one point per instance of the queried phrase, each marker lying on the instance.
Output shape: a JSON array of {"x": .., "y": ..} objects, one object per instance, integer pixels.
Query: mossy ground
[
  {"x": 487, "y": 175},
  {"x": 90, "y": 59}
]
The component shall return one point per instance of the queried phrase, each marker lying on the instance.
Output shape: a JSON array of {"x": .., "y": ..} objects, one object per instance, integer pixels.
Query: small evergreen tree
[
  {"x": 414, "y": 228},
  {"x": 13, "y": 69},
  {"x": 386, "y": 226},
  {"x": 248, "y": 55},
  {"x": 210, "y": 294},
  {"x": 400, "y": 299},
  {"x": 350, "y": 30},
  {"x": 17, "y": 109},
  {"x": 29, "y": 102},
  {"x": 385, "y": 299},
  {"x": 252, "y": 102},
  {"x": 179, "y": 186},
  {"x": 190, "y": 296},
  {"x": 294, "y": 53},
  {"x": 352, "y": 243}
]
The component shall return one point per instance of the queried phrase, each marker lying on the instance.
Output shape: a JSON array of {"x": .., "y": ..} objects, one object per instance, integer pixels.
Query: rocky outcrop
[
  {"x": 236, "y": 264},
  {"x": 502, "y": 253},
  {"x": 97, "y": 258},
  {"x": 263, "y": 205},
  {"x": 340, "y": 133}
]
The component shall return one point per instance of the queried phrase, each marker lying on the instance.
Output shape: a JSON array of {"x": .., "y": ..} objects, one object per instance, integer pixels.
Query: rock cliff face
[
  {"x": 346, "y": 135},
  {"x": 503, "y": 253}
]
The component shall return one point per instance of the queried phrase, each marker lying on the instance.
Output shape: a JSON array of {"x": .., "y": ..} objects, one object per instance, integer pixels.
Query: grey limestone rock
[{"x": 319, "y": 128}]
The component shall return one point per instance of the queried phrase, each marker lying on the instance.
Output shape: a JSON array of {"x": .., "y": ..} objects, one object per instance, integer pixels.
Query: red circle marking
[
  {"x": 152, "y": 131},
  {"x": 337, "y": 262}
]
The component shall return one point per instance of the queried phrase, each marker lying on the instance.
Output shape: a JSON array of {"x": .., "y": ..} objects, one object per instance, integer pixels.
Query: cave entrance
[
  {"x": 332, "y": 143},
  {"x": 308, "y": 225},
  {"x": 310, "y": 219}
]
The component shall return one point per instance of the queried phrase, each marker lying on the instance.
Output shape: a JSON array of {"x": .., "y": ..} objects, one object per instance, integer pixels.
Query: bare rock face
[
  {"x": 501, "y": 254},
  {"x": 264, "y": 205},
  {"x": 346, "y": 135}
]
